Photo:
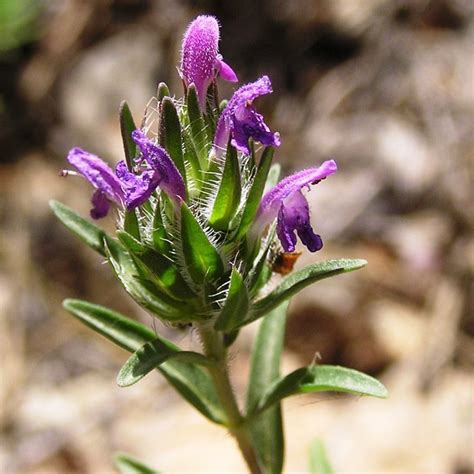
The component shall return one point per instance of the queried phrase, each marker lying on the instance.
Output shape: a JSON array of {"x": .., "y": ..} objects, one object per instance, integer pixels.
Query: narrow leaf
[
  {"x": 202, "y": 259},
  {"x": 159, "y": 235},
  {"x": 300, "y": 279},
  {"x": 197, "y": 124},
  {"x": 156, "y": 268},
  {"x": 162, "y": 92},
  {"x": 322, "y": 378},
  {"x": 125, "y": 332},
  {"x": 150, "y": 356},
  {"x": 127, "y": 464},
  {"x": 236, "y": 304},
  {"x": 273, "y": 177},
  {"x": 191, "y": 381},
  {"x": 130, "y": 242},
  {"x": 267, "y": 428},
  {"x": 142, "y": 291},
  {"x": 127, "y": 126},
  {"x": 256, "y": 192},
  {"x": 318, "y": 460},
  {"x": 191, "y": 156},
  {"x": 170, "y": 134},
  {"x": 228, "y": 196},
  {"x": 130, "y": 223},
  {"x": 89, "y": 233},
  {"x": 162, "y": 272}
]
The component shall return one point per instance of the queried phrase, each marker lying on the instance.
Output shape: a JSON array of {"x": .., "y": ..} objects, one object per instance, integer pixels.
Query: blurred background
[{"x": 385, "y": 87}]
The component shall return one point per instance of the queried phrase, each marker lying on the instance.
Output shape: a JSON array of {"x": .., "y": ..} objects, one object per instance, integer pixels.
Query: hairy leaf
[
  {"x": 321, "y": 378},
  {"x": 150, "y": 356},
  {"x": 191, "y": 381},
  {"x": 236, "y": 304},
  {"x": 89, "y": 233}
]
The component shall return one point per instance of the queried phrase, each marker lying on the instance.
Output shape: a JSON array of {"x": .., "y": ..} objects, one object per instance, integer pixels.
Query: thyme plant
[{"x": 201, "y": 216}]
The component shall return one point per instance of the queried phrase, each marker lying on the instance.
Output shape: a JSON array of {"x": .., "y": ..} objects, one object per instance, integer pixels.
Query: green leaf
[
  {"x": 130, "y": 223},
  {"x": 300, "y": 279},
  {"x": 159, "y": 235},
  {"x": 163, "y": 91},
  {"x": 150, "y": 356},
  {"x": 127, "y": 464},
  {"x": 222, "y": 105},
  {"x": 141, "y": 290},
  {"x": 256, "y": 192},
  {"x": 127, "y": 126},
  {"x": 321, "y": 378},
  {"x": 318, "y": 460},
  {"x": 156, "y": 268},
  {"x": 228, "y": 196},
  {"x": 191, "y": 381},
  {"x": 211, "y": 115},
  {"x": 129, "y": 241},
  {"x": 125, "y": 332},
  {"x": 203, "y": 261},
  {"x": 161, "y": 271},
  {"x": 273, "y": 177},
  {"x": 236, "y": 304},
  {"x": 191, "y": 156},
  {"x": 197, "y": 125},
  {"x": 267, "y": 428},
  {"x": 170, "y": 134},
  {"x": 89, "y": 233}
]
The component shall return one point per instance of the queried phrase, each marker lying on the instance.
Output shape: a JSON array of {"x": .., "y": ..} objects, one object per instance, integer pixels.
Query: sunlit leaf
[
  {"x": 191, "y": 381},
  {"x": 321, "y": 378},
  {"x": 150, "y": 356}
]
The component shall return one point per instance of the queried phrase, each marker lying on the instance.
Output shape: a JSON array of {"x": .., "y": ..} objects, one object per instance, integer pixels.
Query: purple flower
[
  {"x": 239, "y": 121},
  {"x": 201, "y": 61},
  {"x": 138, "y": 188},
  {"x": 157, "y": 158},
  {"x": 100, "y": 175},
  {"x": 123, "y": 187},
  {"x": 287, "y": 203}
]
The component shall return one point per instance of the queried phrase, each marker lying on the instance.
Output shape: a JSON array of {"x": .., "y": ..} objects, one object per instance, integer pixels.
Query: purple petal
[
  {"x": 170, "y": 180},
  {"x": 138, "y": 188},
  {"x": 100, "y": 205},
  {"x": 247, "y": 123},
  {"x": 200, "y": 59},
  {"x": 225, "y": 71},
  {"x": 271, "y": 202},
  {"x": 285, "y": 233},
  {"x": 312, "y": 241},
  {"x": 294, "y": 216},
  {"x": 97, "y": 172},
  {"x": 240, "y": 120}
]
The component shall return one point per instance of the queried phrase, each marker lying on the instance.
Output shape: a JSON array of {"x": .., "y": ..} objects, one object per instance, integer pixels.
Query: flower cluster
[{"x": 205, "y": 161}]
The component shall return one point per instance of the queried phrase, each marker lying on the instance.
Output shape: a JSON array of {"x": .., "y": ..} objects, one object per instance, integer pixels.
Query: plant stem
[{"x": 215, "y": 349}]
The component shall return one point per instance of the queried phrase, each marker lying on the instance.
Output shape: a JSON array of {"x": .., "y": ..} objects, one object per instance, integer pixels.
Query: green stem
[{"x": 214, "y": 348}]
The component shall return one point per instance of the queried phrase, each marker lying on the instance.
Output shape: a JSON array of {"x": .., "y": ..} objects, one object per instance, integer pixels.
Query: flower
[
  {"x": 239, "y": 121},
  {"x": 123, "y": 187},
  {"x": 101, "y": 176},
  {"x": 200, "y": 58},
  {"x": 287, "y": 204},
  {"x": 157, "y": 158}
]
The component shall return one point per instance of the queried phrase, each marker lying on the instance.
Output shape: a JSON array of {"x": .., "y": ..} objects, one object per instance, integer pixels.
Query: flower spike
[
  {"x": 200, "y": 60},
  {"x": 287, "y": 204},
  {"x": 240, "y": 121}
]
